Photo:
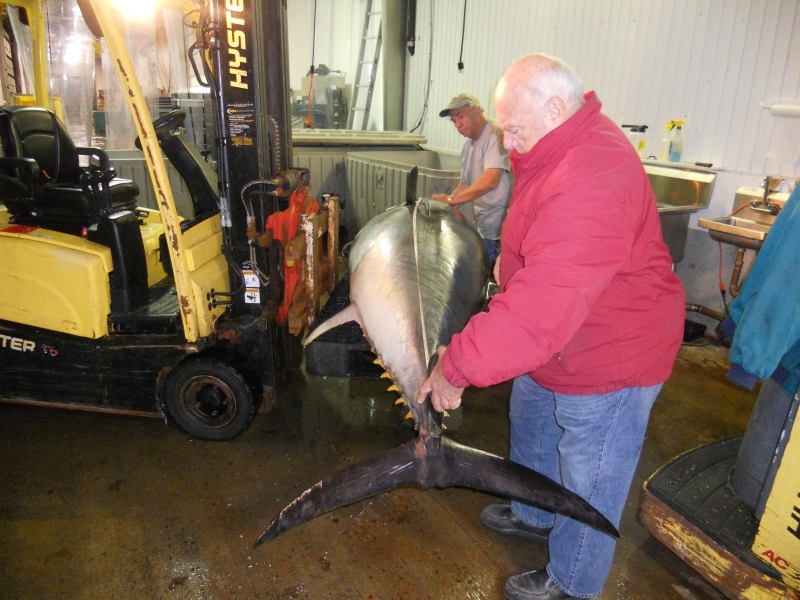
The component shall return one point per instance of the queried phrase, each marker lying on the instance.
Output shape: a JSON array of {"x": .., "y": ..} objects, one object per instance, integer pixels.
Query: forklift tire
[{"x": 209, "y": 400}]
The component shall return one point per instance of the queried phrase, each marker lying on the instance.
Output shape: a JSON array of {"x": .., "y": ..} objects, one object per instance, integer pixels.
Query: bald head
[{"x": 536, "y": 95}]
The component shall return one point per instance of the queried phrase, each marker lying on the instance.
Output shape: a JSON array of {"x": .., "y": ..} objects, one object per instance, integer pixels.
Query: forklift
[
  {"x": 107, "y": 306},
  {"x": 731, "y": 509}
]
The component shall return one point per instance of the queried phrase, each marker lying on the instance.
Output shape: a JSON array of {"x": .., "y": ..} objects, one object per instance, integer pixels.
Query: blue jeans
[
  {"x": 493, "y": 248},
  {"x": 590, "y": 444}
]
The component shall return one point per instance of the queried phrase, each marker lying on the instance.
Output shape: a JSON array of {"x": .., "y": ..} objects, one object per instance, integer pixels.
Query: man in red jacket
[{"x": 588, "y": 323}]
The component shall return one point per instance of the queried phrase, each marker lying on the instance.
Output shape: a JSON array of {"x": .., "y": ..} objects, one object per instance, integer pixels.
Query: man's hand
[
  {"x": 496, "y": 270},
  {"x": 440, "y": 198},
  {"x": 443, "y": 395}
]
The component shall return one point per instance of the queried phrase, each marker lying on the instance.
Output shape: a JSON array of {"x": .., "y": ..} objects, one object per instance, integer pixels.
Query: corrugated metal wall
[{"x": 708, "y": 62}]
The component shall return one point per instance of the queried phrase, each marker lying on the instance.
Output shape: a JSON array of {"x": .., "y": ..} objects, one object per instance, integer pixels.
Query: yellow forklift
[
  {"x": 108, "y": 306},
  {"x": 731, "y": 509}
]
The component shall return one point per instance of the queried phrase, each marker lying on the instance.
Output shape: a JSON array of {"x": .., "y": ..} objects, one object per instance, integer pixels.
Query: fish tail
[
  {"x": 374, "y": 475},
  {"x": 435, "y": 462},
  {"x": 486, "y": 472}
]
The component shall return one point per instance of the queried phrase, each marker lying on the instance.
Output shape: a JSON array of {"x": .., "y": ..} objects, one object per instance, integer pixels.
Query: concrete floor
[{"x": 97, "y": 506}]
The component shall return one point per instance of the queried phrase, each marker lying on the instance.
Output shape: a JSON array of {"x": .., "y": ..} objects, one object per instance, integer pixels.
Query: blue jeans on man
[
  {"x": 493, "y": 249},
  {"x": 591, "y": 445}
]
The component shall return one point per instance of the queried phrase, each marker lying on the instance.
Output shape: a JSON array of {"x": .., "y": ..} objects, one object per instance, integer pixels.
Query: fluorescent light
[
  {"x": 74, "y": 49},
  {"x": 138, "y": 9}
]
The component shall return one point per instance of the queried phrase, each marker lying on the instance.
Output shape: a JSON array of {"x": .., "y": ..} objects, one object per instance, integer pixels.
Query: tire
[{"x": 209, "y": 400}]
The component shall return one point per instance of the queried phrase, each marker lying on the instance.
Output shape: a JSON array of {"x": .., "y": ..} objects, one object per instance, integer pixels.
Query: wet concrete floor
[{"x": 98, "y": 506}]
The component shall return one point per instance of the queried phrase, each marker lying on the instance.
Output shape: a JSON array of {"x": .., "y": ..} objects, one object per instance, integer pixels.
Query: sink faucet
[{"x": 764, "y": 205}]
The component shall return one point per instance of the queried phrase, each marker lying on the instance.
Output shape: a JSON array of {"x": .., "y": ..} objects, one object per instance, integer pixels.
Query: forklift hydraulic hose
[
  {"x": 253, "y": 230},
  {"x": 192, "y": 49},
  {"x": 235, "y": 268},
  {"x": 209, "y": 28},
  {"x": 268, "y": 183}
]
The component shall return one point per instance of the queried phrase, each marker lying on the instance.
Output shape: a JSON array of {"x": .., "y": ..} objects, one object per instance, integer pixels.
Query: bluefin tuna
[{"x": 417, "y": 274}]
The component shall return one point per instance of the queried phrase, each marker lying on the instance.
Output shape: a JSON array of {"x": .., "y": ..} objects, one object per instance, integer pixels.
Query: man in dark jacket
[{"x": 588, "y": 322}]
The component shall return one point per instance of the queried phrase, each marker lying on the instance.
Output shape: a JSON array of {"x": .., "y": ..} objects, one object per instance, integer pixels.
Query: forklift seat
[
  {"x": 197, "y": 175},
  {"x": 200, "y": 179},
  {"x": 40, "y": 171}
]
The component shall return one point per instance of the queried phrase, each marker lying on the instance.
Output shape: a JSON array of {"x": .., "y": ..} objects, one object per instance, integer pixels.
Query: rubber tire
[{"x": 196, "y": 388}]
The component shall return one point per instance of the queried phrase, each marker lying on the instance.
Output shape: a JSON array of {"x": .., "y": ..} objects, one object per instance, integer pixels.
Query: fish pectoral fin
[
  {"x": 486, "y": 472},
  {"x": 349, "y": 313},
  {"x": 388, "y": 471}
]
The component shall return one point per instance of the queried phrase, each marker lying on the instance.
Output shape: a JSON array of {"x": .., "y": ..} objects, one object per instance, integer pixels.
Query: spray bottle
[
  {"x": 675, "y": 140},
  {"x": 637, "y": 137},
  {"x": 663, "y": 147}
]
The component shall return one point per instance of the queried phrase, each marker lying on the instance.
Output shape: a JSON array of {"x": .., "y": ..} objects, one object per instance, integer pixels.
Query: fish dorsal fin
[
  {"x": 411, "y": 187},
  {"x": 350, "y": 313}
]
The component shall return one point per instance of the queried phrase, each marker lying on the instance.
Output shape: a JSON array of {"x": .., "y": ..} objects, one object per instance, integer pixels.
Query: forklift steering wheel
[
  {"x": 165, "y": 125},
  {"x": 169, "y": 122}
]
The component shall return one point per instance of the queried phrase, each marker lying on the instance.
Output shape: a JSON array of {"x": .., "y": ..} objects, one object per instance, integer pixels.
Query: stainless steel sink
[
  {"x": 743, "y": 233},
  {"x": 751, "y": 220},
  {"x": 679, "y": 190}
]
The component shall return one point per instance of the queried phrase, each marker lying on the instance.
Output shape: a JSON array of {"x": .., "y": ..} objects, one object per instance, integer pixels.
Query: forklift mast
[
  {"x": 264, "y": 202},
  {"x": 253, "y": 133},
  {"x": 254, "y": 96},
  {"x": 246, "y": 41}
]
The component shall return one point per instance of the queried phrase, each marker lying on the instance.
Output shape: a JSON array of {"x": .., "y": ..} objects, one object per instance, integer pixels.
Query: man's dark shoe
[
  {"x": 534, "y": 585},
  {"x": 500, "y": 519}
]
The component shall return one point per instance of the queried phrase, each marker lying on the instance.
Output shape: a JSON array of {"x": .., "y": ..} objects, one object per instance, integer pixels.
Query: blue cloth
[
  {"x": 767, "y": 311},
  {"x": 590, "y": 444}
]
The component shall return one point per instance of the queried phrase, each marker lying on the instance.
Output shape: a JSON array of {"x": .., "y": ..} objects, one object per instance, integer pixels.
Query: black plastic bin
[{"x": 343, "y": 351}]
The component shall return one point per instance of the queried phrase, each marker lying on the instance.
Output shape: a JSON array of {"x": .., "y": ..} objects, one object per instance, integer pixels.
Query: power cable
[
  {"x": 314, "y": 37},
  {"x": 309, "y": 121},
  {"x": 463, "y": 29}
]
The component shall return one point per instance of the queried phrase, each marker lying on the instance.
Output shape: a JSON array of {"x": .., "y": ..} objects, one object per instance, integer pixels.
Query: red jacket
[{"x": 589, "y": 302}]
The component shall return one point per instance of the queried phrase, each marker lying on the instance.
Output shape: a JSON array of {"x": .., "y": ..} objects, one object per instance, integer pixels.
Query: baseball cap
[{"x": 458, "y": 102}]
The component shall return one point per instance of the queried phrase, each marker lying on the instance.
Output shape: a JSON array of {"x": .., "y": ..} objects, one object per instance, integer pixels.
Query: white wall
[
  {"x": 708, "y": 62},
  {"x": 339, "y": 26},
  {"x": 333, "y": 36}
]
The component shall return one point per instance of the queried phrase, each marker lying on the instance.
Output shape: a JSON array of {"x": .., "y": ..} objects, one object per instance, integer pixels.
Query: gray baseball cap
[{"x": 458, "y": 102}]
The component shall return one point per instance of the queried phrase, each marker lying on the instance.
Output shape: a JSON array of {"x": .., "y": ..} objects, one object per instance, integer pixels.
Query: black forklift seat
[
  {"x": 197, "y": 175},
  {"x": 39, "y": 172},
  {"x": 200, "y": 179}
]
